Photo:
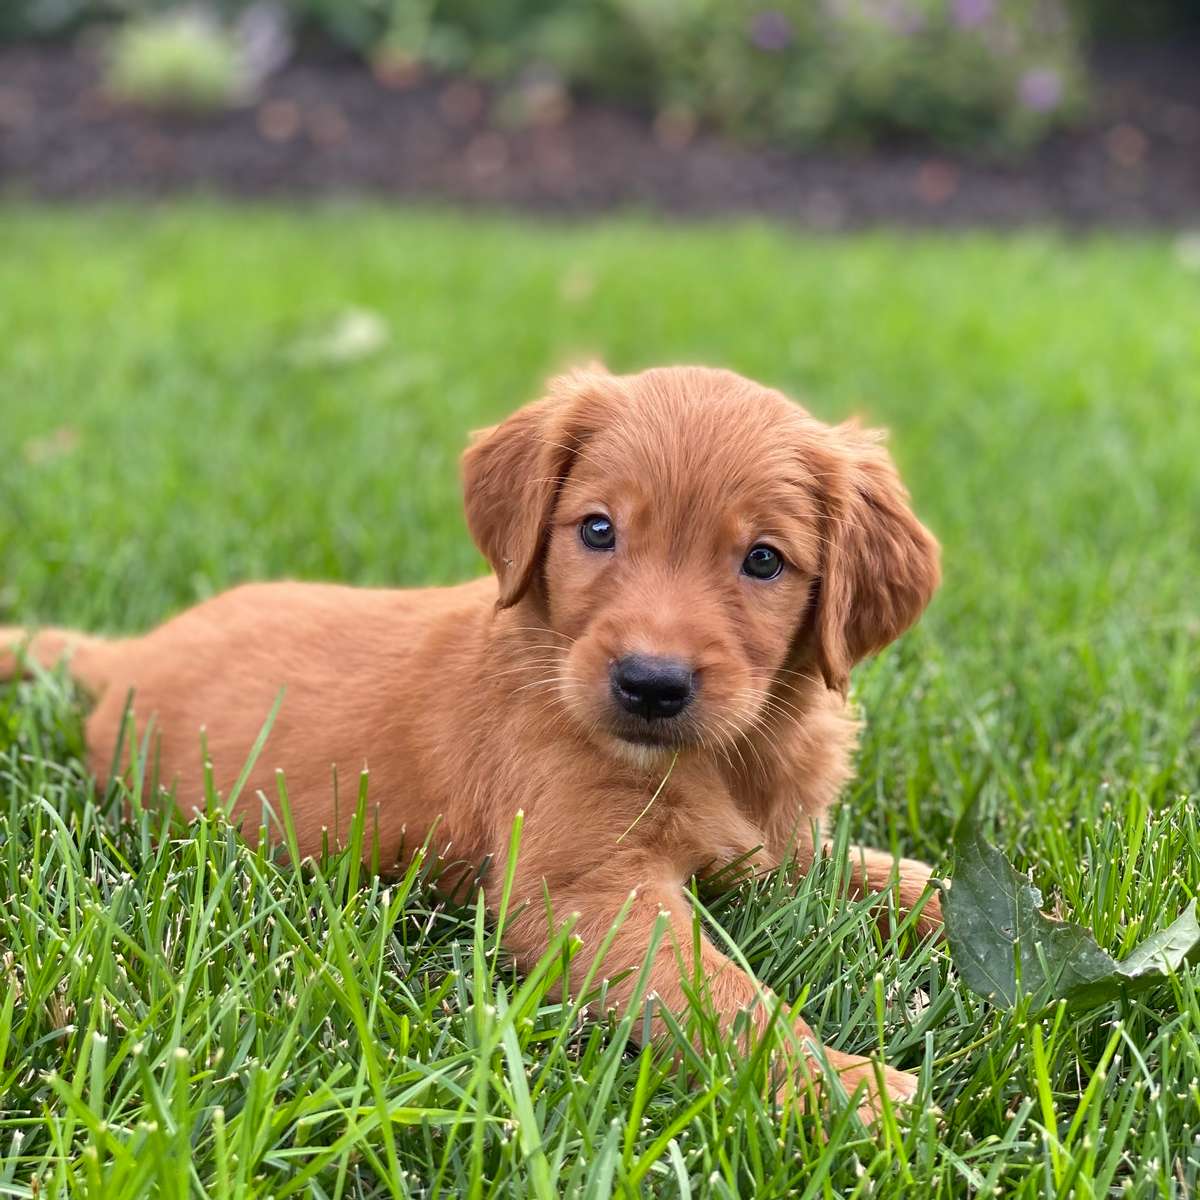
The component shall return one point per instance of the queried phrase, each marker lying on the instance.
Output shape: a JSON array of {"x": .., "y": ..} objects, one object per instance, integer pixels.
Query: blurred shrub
[
  {"x": 179, "y": 60},
  {"x": 995, "y": 73},
  {"x": 986, "y": 73}
]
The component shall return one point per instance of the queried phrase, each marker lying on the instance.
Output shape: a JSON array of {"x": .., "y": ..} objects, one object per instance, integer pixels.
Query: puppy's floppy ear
[
  {"x": 881, "y": 564},
  {"x": 512, "y": 474}
]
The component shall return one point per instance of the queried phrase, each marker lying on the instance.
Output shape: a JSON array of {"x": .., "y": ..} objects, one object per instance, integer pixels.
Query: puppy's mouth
[
  {"x": 650, "y": 736},
  {"x": 673, "y": 733}
]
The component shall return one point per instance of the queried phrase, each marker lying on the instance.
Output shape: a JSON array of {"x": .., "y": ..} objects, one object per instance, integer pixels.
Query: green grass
[{"x": 181, "y": 1015}]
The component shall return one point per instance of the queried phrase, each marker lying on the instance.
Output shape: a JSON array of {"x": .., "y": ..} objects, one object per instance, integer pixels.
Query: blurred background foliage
[{"x": 983, "y": 74}]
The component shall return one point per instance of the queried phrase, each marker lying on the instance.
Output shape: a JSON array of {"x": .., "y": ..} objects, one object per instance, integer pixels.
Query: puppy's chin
[{"x": 643, "y": 755}]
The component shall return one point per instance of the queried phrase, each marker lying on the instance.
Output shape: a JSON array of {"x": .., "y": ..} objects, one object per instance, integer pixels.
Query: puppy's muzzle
[{"x": 652, "y": 687}]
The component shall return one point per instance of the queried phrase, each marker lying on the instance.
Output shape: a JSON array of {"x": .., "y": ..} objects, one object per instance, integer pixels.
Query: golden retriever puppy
[{"x": 686, "y": 567}]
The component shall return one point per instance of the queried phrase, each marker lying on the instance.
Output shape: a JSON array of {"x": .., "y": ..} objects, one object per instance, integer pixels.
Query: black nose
[{"x": 652, "y": 687}]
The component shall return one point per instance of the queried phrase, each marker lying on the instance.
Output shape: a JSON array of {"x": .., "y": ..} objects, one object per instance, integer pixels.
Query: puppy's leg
[
  {"x": 675, "y": 966},
  {"x": 875, "y": 871}
]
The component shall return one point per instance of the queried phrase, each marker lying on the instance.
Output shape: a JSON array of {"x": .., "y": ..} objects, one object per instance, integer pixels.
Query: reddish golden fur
[{"x": 469, "y": 703}]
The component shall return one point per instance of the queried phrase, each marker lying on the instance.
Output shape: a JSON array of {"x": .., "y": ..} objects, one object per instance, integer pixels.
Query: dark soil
[{"x": 326, "y": 125}]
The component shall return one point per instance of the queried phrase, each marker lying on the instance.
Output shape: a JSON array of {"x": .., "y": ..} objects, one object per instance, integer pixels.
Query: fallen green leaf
[{"x": 1004, "y": 947}]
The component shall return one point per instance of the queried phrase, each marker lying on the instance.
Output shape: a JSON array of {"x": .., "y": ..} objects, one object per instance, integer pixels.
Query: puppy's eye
[
  {"x": 763, "y": 562},
  {"x": 598, "y": 532}
]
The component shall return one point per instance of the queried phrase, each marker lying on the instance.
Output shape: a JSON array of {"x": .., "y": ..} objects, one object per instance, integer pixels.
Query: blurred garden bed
[{"x": 327, "y": 124}]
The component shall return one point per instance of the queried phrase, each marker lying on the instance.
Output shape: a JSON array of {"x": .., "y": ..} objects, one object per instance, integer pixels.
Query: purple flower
[
  {"x": 1040, "y": 89},
  {"x": 969, "y": 14},
  {"x": 771, "y": 31}
]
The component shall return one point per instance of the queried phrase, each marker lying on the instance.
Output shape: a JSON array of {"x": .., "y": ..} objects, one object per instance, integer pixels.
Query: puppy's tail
[{"x": 86, "y": 657}]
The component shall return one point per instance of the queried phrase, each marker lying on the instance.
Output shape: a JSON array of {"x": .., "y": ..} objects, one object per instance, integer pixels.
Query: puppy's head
[{"x": 695, "y": 544}]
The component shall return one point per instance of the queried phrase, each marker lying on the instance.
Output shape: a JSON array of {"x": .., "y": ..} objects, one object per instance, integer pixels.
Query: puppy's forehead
[{"x": 703, "y": 438}]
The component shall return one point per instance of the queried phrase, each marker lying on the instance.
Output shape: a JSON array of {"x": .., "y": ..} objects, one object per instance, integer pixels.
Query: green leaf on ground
[{"x": 1004, "y": 947}]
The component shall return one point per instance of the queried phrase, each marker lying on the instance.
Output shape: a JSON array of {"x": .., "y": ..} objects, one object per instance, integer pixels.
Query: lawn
[{"x": 182, "y": 1015}]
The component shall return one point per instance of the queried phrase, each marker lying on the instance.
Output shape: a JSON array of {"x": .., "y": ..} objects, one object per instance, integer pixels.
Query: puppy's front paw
[
  {"x": 917, "y": 890},
  {"x": 869, "y": 1079},
  {"x": 929, "y": 920},
  {"x": 900, "y": 1086}
]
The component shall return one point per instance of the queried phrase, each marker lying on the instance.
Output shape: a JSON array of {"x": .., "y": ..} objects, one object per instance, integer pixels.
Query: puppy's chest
[
  {"x": 702, "y": 824},
  {"x": 784, "y": 801}
]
